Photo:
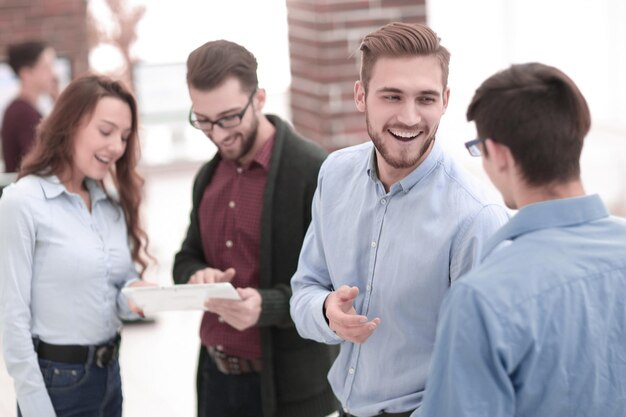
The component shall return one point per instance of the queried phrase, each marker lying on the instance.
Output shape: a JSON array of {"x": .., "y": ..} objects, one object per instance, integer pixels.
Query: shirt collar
[
  {"x": 406, "y": 183},
  {"x": 549, "y": 214},
  {"x": 262, "y": 157},
  {"x": 53, "y": 187},
  {"x": 264, "y": 154}
]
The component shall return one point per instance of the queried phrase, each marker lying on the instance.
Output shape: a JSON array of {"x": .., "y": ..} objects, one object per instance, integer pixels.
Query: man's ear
[
  {"x": 24, "y": 73},
  {"x": 445, "y": 97},
  {"x": 499, "y": 154},
  {"x": 359, "y": 96},
  {"x": 259, "y": 99}
]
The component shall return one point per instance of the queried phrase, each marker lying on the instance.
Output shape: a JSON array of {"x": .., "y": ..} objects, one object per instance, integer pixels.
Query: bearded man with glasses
[{"x": 251, "y": 210}]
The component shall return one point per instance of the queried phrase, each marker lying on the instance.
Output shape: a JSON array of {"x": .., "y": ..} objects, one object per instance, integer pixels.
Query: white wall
[{"x": 584, "y": 38}]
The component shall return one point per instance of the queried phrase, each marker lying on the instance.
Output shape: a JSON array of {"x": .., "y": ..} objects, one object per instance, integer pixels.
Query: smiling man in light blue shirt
[
  {"x": 395, "y": 222},
  {"x": 538, "y": 329}
]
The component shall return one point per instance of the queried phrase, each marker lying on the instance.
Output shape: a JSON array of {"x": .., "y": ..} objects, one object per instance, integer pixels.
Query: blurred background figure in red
[{"x": 33, "y": 64}]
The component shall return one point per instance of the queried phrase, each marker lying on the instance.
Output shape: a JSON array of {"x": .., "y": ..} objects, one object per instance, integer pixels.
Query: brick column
[
  {"x": 61, "y": 23},
  {"x": 324, "y": 36}
]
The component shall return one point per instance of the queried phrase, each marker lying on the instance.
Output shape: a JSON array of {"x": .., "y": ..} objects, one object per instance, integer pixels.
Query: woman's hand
[{"x": 131, "y": 304}]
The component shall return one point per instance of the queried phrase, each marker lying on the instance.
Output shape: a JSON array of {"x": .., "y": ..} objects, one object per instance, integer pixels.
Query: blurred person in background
[
  {"x": 396, "y": 221},
  {"x": 33, "y": 64},
  {"x": 251, "y": 210},
  {"x": 69, "y": 245},
  {"x": 537, "y": 329}
]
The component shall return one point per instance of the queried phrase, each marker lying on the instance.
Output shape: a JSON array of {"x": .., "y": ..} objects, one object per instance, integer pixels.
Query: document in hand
[{"x": 179, "y": 297}]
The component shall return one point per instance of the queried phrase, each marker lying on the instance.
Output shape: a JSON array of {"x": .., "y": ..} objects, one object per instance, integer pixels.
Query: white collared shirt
[{"x": 61, "y": 272}]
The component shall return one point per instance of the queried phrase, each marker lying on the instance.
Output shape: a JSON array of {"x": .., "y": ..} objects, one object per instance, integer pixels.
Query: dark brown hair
[
  {"x": 54, "y": 149},
  {"x": 25, "y": 54},
  {"x": 401, "y": 40},
  {"x": 214, "y": 62},
  {"x": 540, "y": 115}
]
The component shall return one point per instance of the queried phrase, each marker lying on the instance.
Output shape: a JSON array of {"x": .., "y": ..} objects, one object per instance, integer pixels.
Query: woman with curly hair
[{"x": 70, "y": 240}]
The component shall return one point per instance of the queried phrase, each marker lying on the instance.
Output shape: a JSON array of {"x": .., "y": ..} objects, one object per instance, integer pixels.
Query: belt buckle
[
  {"x": 234, "y": 365},
  {"x": 104, "y": 356}
]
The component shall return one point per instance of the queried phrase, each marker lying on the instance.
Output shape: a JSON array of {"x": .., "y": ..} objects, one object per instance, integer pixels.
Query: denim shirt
[
  {"x": 538, "y": 329},
  {"x": 402, "y": 249},
  {"x": 62, "y": 269}
]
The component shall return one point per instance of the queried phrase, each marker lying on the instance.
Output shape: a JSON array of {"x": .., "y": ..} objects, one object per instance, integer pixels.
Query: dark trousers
[
  {"x": 221, "y": 395},
  {"x": 83, "y": 390}
]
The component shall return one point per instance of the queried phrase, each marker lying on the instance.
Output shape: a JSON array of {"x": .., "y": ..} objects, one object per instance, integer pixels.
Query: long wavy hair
[{"x": 53, "y": 151}]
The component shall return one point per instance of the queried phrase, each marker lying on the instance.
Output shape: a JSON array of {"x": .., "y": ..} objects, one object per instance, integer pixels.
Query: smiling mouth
[
  {"x": 228, "y": 141},
  {"x": 404, "y": 135},
  {"x": 103, "y": 160}
]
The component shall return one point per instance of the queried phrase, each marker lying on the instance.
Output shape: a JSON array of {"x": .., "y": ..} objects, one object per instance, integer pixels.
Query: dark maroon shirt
[
  {"x": 230, "y": 226},
  {"x": 18, "y": 132}
]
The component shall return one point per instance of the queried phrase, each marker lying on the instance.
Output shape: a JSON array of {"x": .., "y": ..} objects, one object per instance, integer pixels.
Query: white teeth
[
  {"x": 404, "y": 134},
  {"x": 103, "y": 160},
  {"x": 228, "y": 141}
]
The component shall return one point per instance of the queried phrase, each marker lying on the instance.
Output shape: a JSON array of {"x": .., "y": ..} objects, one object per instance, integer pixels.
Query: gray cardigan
[{"x": 293, "y": 380}]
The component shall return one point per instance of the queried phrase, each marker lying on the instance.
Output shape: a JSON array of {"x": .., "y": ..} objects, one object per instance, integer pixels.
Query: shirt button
[
  {"x": 373, "y": 244},
  {"x": 220, "y": 319},
  {"x": 239, "y": 170},
  {"x": 383, "y": 201},
  {"x": 231, "y": 204},
  {"x": 229, "y": 243},
  {"x": 368, "y": 287},
  {"x": 351, "y": 371}
]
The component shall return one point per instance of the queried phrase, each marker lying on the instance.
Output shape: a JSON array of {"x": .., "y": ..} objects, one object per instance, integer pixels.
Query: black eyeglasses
[
  {"x": 473, "y": 146},
  {"x": 226, "y": 122}
]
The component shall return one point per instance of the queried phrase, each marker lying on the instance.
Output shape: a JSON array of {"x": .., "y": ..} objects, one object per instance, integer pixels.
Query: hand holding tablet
[{"x": 179, "y": 297}]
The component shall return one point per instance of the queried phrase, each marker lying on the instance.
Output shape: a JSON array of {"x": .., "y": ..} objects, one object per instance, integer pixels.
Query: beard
[
  {"x": 247, "y": 143},
  {"x": 406, "y": 159}
]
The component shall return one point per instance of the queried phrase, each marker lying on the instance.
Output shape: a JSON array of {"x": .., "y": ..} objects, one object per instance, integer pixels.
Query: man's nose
[
  {"x": 217, "y": 132},
  {"x": 410, "y": 114}
]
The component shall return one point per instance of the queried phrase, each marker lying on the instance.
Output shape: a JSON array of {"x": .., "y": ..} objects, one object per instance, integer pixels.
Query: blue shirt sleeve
[
  {"x": 311, "y": 283},
  {"x": 468, "y": 243},
  {"x": 17, "y": 232}
]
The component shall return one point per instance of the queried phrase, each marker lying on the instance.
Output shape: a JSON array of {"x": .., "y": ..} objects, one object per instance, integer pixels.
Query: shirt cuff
[
  {"x": 123, "y": 309},
  {"x": 317, "y": 306},
  {"x": 131, "y": 281},
  {"x": 37, "y": 404}
]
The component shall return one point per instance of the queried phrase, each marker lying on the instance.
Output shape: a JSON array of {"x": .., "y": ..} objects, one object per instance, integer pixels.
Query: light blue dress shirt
[
  {"x": 61, "y": 272},
  {"x": 402, "y": 249},
  {"x": 538, "y": 329}
]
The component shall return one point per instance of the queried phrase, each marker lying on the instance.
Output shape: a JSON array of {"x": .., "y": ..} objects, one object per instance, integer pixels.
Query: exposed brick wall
[
  {"x": 324, "y": 36},
  {"x": 61, "y": 23}
]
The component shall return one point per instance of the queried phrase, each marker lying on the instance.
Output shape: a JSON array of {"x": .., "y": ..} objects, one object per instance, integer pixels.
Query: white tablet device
[{"x": 179, "y": 297}]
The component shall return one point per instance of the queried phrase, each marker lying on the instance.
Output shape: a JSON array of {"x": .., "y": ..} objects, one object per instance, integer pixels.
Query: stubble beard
[
  {"x": 246, "y": 145},
  {"x": 406, "y": 160}
]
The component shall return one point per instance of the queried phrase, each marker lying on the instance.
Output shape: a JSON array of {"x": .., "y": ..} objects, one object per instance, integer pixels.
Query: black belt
[{"x": 103, "y": 355}]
